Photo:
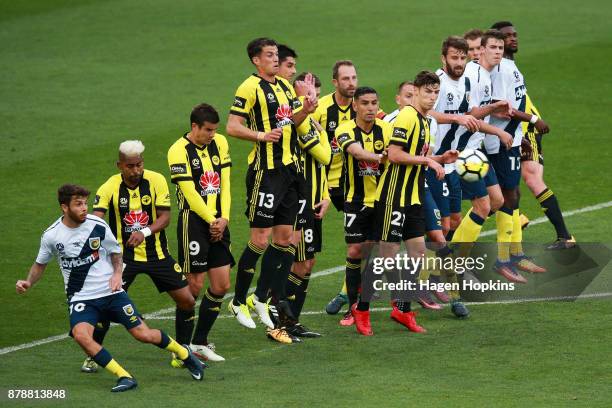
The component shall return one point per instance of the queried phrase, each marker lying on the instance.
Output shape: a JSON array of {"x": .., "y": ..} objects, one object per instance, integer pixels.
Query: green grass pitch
[{"x": 79, "y": 77}]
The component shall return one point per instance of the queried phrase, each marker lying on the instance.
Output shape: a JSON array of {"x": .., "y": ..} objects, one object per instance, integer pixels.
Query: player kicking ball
[{"x": 90, "y": 259}]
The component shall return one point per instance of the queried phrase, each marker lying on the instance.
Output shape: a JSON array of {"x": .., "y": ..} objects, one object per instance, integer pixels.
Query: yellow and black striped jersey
[
  {"x": 529, "y": 128},
  {"x": 331, "y": 116},
  {"x": 315, "y": 154},
  {"x": 402, "y": 185},
  {"x": 266, "y": 106},
  {"x": 207, "y": 169},
  {"x": 361, "y": 177},
  {"x": 131, "y": 210}
]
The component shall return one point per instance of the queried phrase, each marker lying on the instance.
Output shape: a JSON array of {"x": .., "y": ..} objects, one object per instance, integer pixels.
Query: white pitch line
[{"x": 324, "y": 272}]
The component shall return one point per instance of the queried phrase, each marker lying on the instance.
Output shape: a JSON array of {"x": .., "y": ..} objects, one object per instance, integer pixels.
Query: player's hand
[
  {"x": 273, "y": 136},
  {"x": 115, "y": 283},
  {"x": 469, "y": 122},
  {"x": 506, "y": 139},
  {"x": 136, "y": 239},
  {"x": 384, "y": 158},
  {"x": 321, "y": 208},
  {"x": 218, "y": 227},
  {"x": 22, "y": 286},
  {"x": 450, "y": 156},
  {"x": 503, "y": 110},
  {"x": 542, "y": 127},
  {"x": 301, "y": 89},
  {"x": 526, "y": 149},
  {"x": 437, "y": 167}
]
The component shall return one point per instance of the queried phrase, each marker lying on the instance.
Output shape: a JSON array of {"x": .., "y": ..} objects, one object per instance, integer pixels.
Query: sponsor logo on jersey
[
  {"x": 368, "y": 169},
  {"x": 146, "y": 199},
  {"x": 331, "y": 125},
  {"x": 123, "y": 202},
  {"x": 215, "y": 160},
  {"x": 520, "y": 92},
  {"x": 210, "y": 183},
  {"x": 60, "y": 247},
  {"x": 334, "y": 146},
  {"x": 308, "y": 136},
  {"x": 135, "y": 220},
  {"x": 449, "y": 97},
  {"x": 195, "y": 163},
  {"x": 178, "y": 169},
  {"x": 517, "y": 76},
  {"x": 378, "y": 145},
  {"x": 270, "y": 97},
  {"x": 69, "y": 263},
  {"x": 239, "y": 102},
  {"x": 399, "y": 133},
  {"x": 94, "y": 243},
  {"x": 283, "y": 116}
]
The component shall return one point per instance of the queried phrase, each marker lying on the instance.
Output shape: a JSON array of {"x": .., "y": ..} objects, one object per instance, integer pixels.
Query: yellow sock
[
  {"x": 180, "y": 351},
  {"x": 516, "y": 245},
  {"x": 451, "y": 277},
  {"x": 115, "y": 368},
  {"x": 425, "y": 272},
  {"x": 505, "y": 224},
  {"x": 469, "y": 229},
  {"x": 343, "y": 291}
]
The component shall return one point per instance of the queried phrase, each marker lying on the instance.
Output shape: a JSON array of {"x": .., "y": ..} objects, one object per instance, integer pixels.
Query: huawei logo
[
  {"x": 283, "y": 116},
  {"x": 135, "y": 220},
  {"x": 334, "y": 146},
  {"x": 368, "y": 168},
  {"x": 210, "y": 183}
]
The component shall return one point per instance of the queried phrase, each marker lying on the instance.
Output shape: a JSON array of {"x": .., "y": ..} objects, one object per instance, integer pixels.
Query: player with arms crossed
[
  {"x": 138, "y": 206},
  {"x": 532, "y": 161},
  {"x": 266, "y": 111},
  {"x": 363, "y": 142},
  {"x": 200, "y": 167},
  {"x": 90, "y": 260}
]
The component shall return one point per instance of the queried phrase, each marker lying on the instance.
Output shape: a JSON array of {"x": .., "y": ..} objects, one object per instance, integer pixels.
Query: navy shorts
[
  {"x": 478, "y": 189},
  {"x": 446, "y": 193},
  {"x": 507, "y": 165},
  {"x": 117, "y": 308},
  {"x": 432, "y": 213}
]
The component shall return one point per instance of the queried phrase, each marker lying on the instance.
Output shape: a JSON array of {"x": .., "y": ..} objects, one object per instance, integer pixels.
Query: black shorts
[
  {"x": 304, "y": 203},
  {"x": 336, "y": 195},
  {"x": 536, "y": 154},
  {"x": 195, "y": 251},
  {"x": 166, "y": 274},
  {"x": 358, "y": 223},
  {"x": 311, "y": 238},
  {"x": 272, "y": 196},
  {"x": 396, "y": 224}
]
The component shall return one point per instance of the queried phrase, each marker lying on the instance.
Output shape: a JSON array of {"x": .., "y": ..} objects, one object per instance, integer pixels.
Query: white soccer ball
[{"x": 472, "y": 165}]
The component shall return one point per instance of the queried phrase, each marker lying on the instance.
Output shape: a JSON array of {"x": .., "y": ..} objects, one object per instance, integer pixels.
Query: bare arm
[
  {"x": 36, "y": 271},
  {"x": 481, "y": 112},
  {"x": 540, "y": 125},
  {"x": 359, "y": 153},
  {"x": 505, "y": 137},
  {"x": 116, "y": 281},
  {"x": 468, "y": 121},
  {"x": 236, "y": 128}
]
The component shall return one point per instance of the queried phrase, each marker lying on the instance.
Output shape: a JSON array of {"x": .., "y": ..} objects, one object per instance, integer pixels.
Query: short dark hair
[
  {"x": 494, "y": 34},
  {"x": 67, "y": 191},
  {"x": 302, "y": 76},
  {"x": 254, "y": 47},
  {"x": 473, "y": 34},
  {"x": 204, "y": 113},
  {"x": 455, "y": 42},
  {"x": 364, "y": 90},
  {"x": 502, "y": 24},
  {"x": 403, "y": 84},
  {"x": 425, "y": 78},
  {"x": 285, "y": 52},
  {"x": 339, "y": 64}
]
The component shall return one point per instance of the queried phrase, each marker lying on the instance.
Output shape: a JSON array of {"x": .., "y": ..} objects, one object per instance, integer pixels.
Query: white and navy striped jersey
[
  {"x": 84, "y": 256},
  {"x": 508, "y": 84},
  {"x": 480, "y": 95}
]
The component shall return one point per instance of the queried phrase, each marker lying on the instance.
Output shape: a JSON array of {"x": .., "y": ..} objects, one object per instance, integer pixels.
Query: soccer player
[
  {"x": 138, "y": 206},
  {"x": 200, "y": 167},
  {"x": 266, "y": 111},
  {"x": 90, "y": 260},
  {"x": 532, "y": 161},
  {"x": 335, "y": 109},
  {"x": 508, "y": 85},
  {"x": 363, "y": 142},
  {"x": 399, "y": 212},
  {"x": 474, "y": 40}
]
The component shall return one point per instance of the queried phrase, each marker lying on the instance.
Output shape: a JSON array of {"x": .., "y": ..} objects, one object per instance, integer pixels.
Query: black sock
[
  {"x": 294, "y": 286},
  {"x": 353, "y": 279},
  {"x": 550, "y": 206},
  {"x": 100, "y": 330},
  {"x": 246, "y": 272},
  {"x": 209, "y": 310},
  {"x": 363, "y": 306},
  {"x": 279, "y": 284},
  {"x": 270, "y": 261},
  {"x": 300, "y": 297},
  {"x": 183, "y": 325},
  {"x": 449, "y": 235}
]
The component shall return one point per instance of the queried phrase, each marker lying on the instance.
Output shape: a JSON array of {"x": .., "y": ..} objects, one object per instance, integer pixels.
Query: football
[{"x": 472, "y": 165}]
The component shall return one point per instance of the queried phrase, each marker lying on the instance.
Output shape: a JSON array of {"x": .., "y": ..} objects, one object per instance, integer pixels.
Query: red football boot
[
  {"x": 362, "y": 321},
  {"x": 407, "y": 319}
]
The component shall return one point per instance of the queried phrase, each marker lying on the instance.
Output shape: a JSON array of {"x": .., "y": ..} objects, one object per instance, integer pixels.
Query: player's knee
[
  {"x": 195, "y": 287},
  {"x": 259, "y": 237},
  {"x": 82, "y": 337},
  {"x": 455, "y": 220},
  {"x": 353, "y": 251},
  {"x": 186, "y": 302},
  {"x": 482, "y": 207},
  {"x": 220, "y": 288}
]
